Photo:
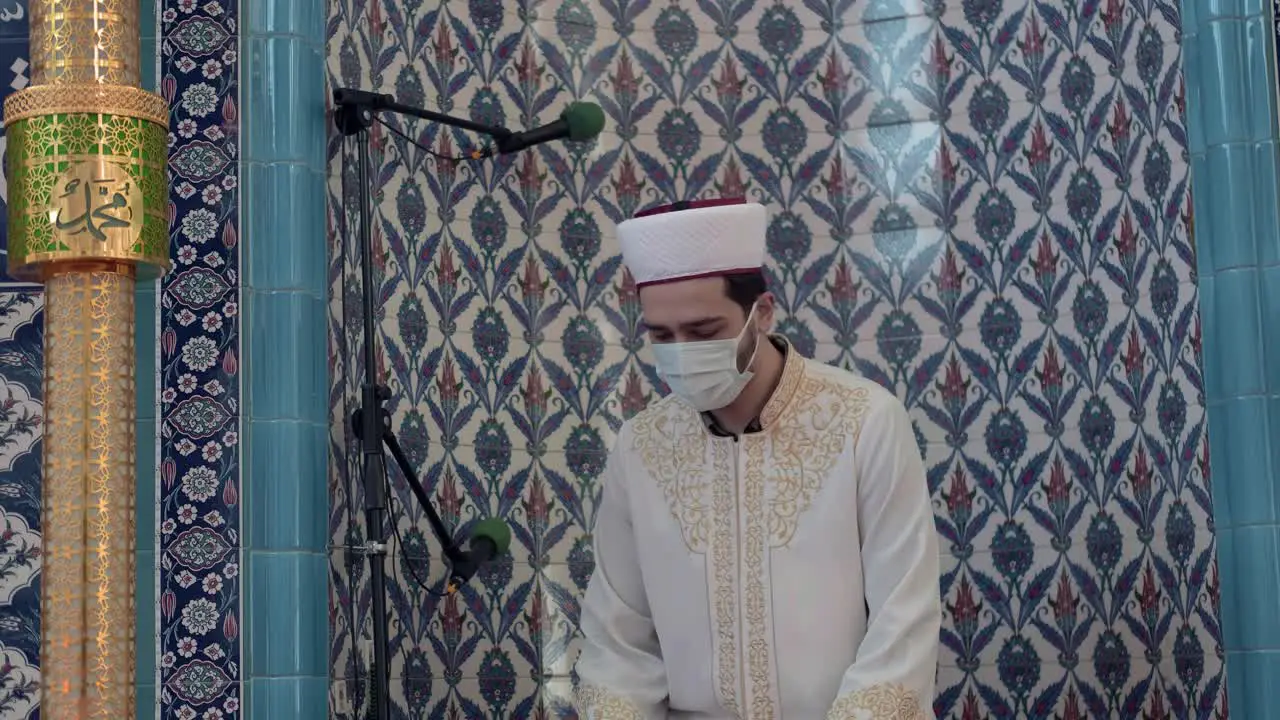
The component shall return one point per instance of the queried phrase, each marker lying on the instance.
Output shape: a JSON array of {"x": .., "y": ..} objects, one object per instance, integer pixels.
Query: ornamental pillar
[{"x": 88, "y": 217}]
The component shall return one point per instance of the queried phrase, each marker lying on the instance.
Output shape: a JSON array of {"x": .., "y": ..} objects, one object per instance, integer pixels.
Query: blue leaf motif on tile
[
  {"x": 199, "y": 548},
  {"x": 780, "y": 31},
  {"x": 1157, "y": 169},
  {"x": 989, "y": 109},
  {"x": 583, "y": 344},
  {"x": 199, "y": 161},
  {"x": 1077, "y": 85},
  {"x": 1188, "y": 656},
  {"x": 586, "y": 453},
  {"x": 1111, "y": 658},
  {"x": 889, "y": 127},
  {"x": 1097, "y": 425},
  {"x": 675, "y": 33},
  {"x": 497, "y": 678},
  {"x": 20, "y": 551},
  {"x": 1000, "y": 327},
  {"x": 1089, "y": 310},
  {"x": 416, "y": 683},
  {"x": 199, "y": 36},
  {"x": 1019, "y": 666},
  {"x": 575, "y": 25},
  {"x": 493, "y": 449},
  {"x": 1150, "y": 55},
  {"x": 488, "y": 224},
  {"x": 1103, "y": 543},
  {"x": 580, "y": 237},
  {"x": 1171, "y": 409},
  {"x": 199, "y": 417},
  {"x": 788, "y": 239},
  {"x": 800, "y": 335},
  {"x": 199, "y": 288},
  {"x": 784, "y": 135},
  {"x": 982, "y": 14},
  {"x": 199, "y": 682},
  {"x": 1180, "y": 532},
  {"x": 898, "y": 338},
  {"x": 679, "y": 136},
  {"x": 492, "y": 336}
]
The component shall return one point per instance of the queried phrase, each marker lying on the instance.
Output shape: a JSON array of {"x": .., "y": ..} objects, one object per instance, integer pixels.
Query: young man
[{"x": 765, "y": 546}]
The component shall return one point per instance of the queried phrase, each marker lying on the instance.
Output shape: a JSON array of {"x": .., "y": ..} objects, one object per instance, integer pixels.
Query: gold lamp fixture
[{"x": 88, "y": 199}]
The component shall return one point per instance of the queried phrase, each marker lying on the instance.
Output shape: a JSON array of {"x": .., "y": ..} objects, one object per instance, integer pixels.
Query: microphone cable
[
  {"x": 477, "y": 154},
  {"x": 408, "y": 559}
]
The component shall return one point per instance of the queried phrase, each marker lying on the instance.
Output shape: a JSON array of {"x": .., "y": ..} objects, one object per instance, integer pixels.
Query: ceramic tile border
[
  {"x": 286, "y": 353},
  {"x": 198, "y": 307},
  {"x": 147, "y": 388},
  {"x": 1230, "y": 64}
]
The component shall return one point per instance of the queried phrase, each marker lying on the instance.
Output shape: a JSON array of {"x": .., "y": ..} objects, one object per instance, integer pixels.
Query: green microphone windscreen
[
  {"x": 585, "y": 120},
  {"x": 494, "y": 530}
]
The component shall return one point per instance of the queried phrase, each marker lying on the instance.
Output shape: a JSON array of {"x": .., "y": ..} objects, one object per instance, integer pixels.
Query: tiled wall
[
  {"x": 982, "y": 205},
  {"x": 21, "y": 427},
  {"x": 199, "y": 492},
  {"x": 1231, "y": 78}
]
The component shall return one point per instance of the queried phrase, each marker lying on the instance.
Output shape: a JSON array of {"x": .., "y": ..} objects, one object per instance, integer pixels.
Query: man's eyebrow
[
  {"x": 698, "y": 324},
  {"x": 701, "y": 323}
]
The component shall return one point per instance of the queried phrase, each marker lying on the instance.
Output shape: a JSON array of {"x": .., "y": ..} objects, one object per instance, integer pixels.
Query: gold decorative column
[{"x": 88, "y": 200}]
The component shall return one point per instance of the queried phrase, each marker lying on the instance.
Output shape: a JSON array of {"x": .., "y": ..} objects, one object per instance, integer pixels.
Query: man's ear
[{"x": 765, "y": 318}]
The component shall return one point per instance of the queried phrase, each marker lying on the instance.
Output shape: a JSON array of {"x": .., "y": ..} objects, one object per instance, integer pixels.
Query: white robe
[{"x": 734, "y": 576}]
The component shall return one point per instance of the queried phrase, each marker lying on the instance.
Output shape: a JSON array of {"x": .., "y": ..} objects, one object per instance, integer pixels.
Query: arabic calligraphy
[
  {"x": 14, "y": 13},
  {"x": 97, "y": 201}
]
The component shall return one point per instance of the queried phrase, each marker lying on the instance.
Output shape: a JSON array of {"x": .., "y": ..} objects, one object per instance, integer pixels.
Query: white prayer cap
[{"x": 697, "y": 239}]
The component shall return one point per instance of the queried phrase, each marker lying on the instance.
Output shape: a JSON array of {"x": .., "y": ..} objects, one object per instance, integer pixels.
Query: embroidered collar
[{"x": 792, "y": 372}]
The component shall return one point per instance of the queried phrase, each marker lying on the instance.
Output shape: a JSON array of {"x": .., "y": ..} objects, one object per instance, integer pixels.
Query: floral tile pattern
[
  {"x": 981, "y": 204},
  {"x": 199, "y": 333},
  {"x": 21, "y": 428}
]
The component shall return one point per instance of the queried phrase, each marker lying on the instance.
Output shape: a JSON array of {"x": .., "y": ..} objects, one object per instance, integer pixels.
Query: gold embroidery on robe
[
  {"x": 878, "y": 702},
  {"x": 723, "y": 577},
  {"x": 757, "y": 606},
  {"x": 807, "y": 424},
  {"x": 805, "y": 449},
  {"x": 671, "y": 442},
  {"x": 596, "y": 703}
]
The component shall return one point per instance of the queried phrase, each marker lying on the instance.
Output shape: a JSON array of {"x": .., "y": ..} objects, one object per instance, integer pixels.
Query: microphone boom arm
[
  {"x": 356, "y": 108},
  {"x": 453, "y": 554}
]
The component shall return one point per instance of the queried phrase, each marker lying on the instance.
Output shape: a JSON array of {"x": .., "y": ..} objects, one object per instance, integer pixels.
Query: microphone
[
  {"x": 489, "y": 538},
  {"x": 579, "y": 122}
]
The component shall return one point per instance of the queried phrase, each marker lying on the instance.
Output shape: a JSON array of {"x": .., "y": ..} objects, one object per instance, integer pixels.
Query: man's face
[{"x": 698, "y": 310}]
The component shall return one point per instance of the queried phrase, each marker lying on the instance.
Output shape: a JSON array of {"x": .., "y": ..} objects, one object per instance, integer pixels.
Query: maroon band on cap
[{"x": 691, "y": 205}]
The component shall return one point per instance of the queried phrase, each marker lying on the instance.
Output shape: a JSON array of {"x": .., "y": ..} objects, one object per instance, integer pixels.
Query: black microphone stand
[{"x": 371, "y": 421}]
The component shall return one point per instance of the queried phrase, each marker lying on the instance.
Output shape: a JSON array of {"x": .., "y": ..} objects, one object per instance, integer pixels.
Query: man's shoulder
[{"x": 839, "y": 380}]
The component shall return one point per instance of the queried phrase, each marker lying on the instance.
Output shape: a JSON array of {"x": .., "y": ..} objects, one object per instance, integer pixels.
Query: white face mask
[{"x": 705, "y": 374}]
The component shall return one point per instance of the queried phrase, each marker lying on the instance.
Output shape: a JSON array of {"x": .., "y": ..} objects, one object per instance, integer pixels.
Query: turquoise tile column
[
  {"x": 286, "y": 406},
  {"x": 147, "y": 642},
  {"x": 1229, "y": 46}
]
